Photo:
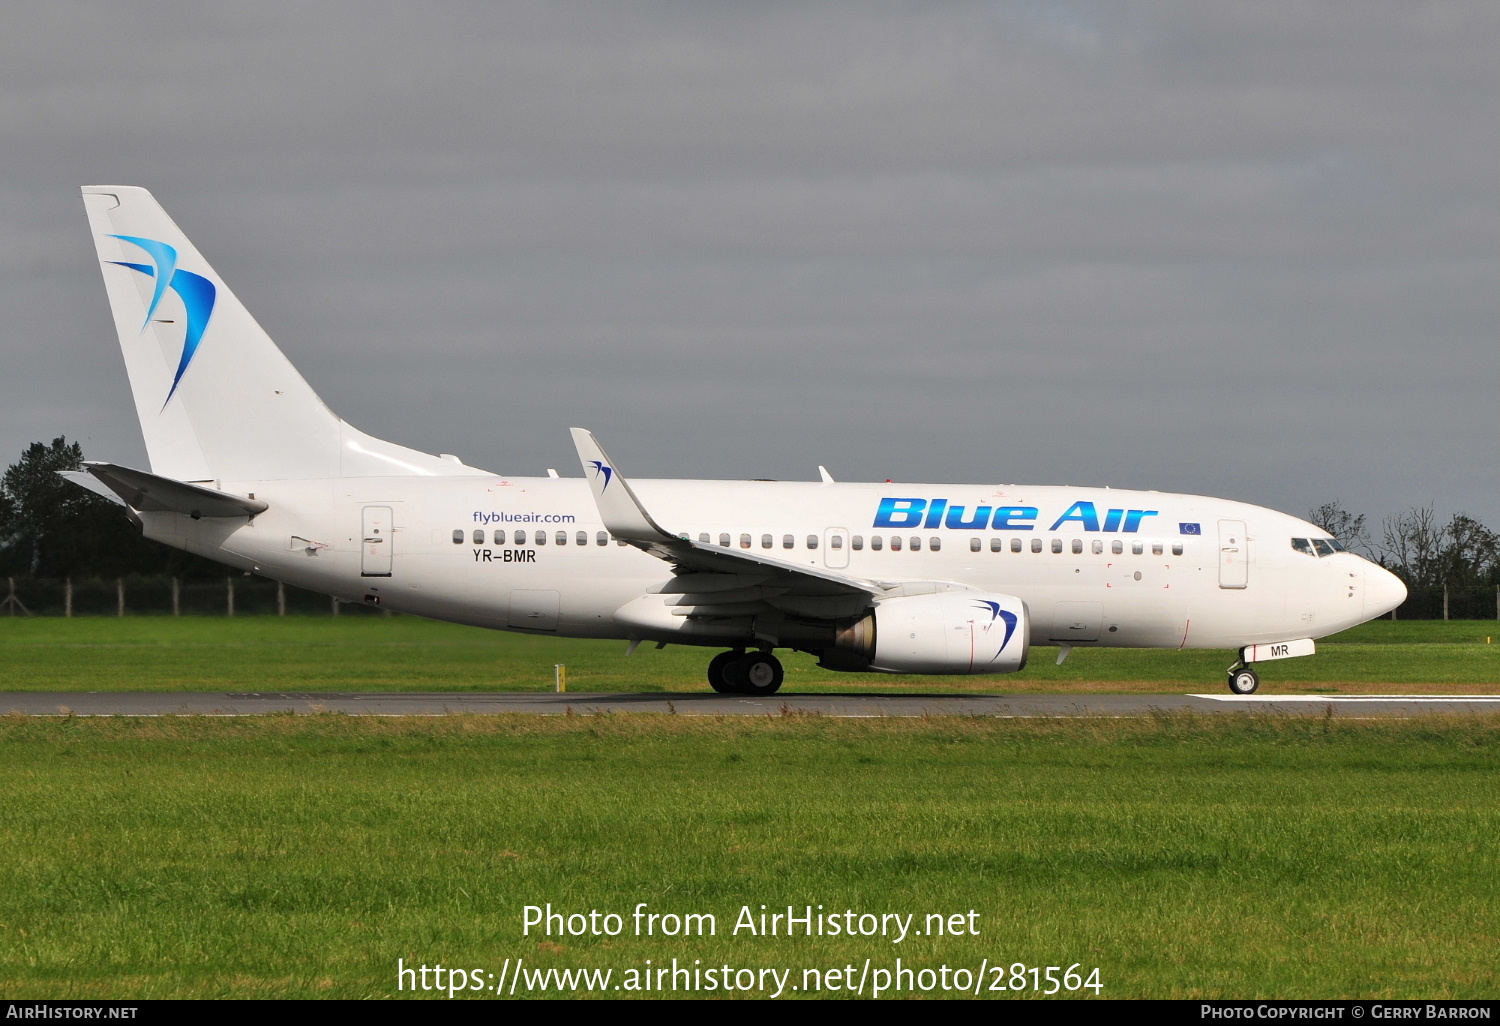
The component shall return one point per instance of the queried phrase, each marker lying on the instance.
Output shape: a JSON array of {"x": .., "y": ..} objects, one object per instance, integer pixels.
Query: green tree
[
  {"x": 1427, "y": 553},
  {"x": 1347, "y": 527},
  {"x": 50, "y": 527}
]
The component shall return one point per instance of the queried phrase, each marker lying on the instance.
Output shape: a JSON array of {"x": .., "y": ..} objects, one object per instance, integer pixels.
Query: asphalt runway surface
[{"x": 118, "y": 703}]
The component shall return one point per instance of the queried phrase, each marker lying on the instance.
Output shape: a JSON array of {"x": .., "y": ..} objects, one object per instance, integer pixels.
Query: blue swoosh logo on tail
[{"x": 197, "y": 293}]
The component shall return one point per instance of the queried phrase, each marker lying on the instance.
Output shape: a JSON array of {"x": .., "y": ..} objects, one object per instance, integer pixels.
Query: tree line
[
  {"x": 51, "y": 528},
  {"x": 1417, "y": 545}
]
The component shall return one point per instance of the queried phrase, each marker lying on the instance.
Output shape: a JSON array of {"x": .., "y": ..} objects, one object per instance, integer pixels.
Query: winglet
[
  {"x": 622, "y": 513},
  {"x": 824, "y": 474}
]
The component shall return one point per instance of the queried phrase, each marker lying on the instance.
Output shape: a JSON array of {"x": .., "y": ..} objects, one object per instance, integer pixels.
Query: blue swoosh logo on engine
[{"x": 999, "y": 612}]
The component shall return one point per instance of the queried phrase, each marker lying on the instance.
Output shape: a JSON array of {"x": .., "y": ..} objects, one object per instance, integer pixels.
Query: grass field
[
  {"x": 284, "y": 856},
  {"x": 411, "y": 654}
]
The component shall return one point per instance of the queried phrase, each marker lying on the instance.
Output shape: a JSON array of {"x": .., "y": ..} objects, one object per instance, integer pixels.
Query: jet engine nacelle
[{"x": 952, "y": 632}]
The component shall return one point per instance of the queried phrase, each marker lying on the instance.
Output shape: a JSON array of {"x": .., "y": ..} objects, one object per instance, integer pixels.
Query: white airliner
[{"x": 250, "y": 468}]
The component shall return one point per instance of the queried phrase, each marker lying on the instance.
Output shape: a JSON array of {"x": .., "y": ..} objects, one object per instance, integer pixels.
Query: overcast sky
[{"x": 1242, "y": 249}]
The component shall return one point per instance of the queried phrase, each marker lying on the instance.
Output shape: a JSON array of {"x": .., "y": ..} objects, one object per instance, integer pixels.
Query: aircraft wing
[{"x": 626, "y": 519}]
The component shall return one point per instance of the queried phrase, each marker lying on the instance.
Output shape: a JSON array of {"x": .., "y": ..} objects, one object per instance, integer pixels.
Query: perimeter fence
[
  {"x": 237, "y": 595},
  {"x": 243, "y": 595}
]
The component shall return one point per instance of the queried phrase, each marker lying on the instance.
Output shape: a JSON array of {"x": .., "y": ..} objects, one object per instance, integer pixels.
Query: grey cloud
[{"x": 1246, "y": 249}]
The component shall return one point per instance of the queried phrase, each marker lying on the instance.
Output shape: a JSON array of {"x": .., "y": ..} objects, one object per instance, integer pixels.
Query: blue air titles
[{"x": 927, "y": 514}]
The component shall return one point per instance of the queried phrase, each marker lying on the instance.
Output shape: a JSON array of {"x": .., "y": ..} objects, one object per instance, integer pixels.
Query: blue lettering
[
  {"x": 908, "y": 510},
  {"x": 1082, "y": 513},
  {"x": 978, "y": 522},
  {"x": 935, "y": 513},
  {"x": 1006, "y": 517},
  {"x": 1133, "y": 519},
  {"x": 1112, "y": 519}
]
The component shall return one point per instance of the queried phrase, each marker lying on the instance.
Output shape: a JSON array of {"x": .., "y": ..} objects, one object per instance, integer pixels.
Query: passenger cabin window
[
  {"x": 1015, "y": 545},
  {"x": 895, "y": 543},
  {"x": 724, "y": 540},
  {"x": 765, "y": 541},
  {"x": 602, "y": 538},
  {"x": 1077, "y": 546},
  {"x": 1056, "y": 544},
  {"x": 1177, "y": 548},
  {"x": 875, "y": 542},
  {"x": 857, "y": 542},
  {"x": 458, "y": 536},
  {"x": 812, "y": 541},
  {"x": 1156, "y": 548},
  {"x": 1117, "y": 547},
  {"x": 788, "y": 541},
  {"x": 744, "y": 541},
  {"x": 1036, "y": 545},
  {"x": 975, "y": 545},
  {"x": 703, "y": 537},
  {"x": 935, "y": 543},
  {"x": 540, "y": 538},
  {"x": 916, "y": 544},
  {"x": 996, "y": 544},
  {"x": 479, "y": 536},
  {"x": 836, "y": 542},
  {"x": 1137, "y": 548},
  {"x": 520, "y": 537},
  {"x": 1098, "y": 546},
  {"x": 499, "y": 537},
  {"x": 562, "y": 537}
]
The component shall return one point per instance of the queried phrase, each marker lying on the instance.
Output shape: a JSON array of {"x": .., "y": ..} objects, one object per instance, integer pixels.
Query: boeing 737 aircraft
[{"x": 248, "y": 467}]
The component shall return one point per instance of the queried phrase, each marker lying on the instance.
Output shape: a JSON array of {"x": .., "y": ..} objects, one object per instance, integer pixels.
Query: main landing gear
[
  {"x": 745, "y": 673},
  {"x": 1242, "y": 679}
]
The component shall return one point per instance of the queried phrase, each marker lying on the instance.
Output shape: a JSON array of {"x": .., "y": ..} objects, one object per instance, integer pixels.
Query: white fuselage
[{"x": 1094, "y": 566}]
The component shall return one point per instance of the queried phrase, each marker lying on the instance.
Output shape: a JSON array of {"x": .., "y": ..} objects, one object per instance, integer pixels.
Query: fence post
[
  {"x": 11, "y": 602},
  {"x": 176, "y": 599},
  {"x": 1445, "y": 602},
  {"x": 229, "y": 593},
  {"x": 334, "y": 600},
  {"x": 68, "y": 597},
  {"x": 119, "y": 596},
  {"x": 280, "y": 598}
]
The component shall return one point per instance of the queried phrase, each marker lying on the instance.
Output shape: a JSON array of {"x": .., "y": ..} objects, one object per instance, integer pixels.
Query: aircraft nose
[{"x": 1384, "y": 591}]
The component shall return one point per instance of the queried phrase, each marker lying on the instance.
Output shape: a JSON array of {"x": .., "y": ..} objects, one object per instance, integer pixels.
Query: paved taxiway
[{"x": 115, "y": 703}]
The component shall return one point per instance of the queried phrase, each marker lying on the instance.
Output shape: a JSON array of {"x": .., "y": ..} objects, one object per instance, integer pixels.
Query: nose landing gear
[
  {"x": 1243, "y": 680},
  {"x": 742, "y": 673}
]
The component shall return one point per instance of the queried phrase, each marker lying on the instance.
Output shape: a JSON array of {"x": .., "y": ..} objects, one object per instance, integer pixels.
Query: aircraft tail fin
[{"x": 216, "y": 398}]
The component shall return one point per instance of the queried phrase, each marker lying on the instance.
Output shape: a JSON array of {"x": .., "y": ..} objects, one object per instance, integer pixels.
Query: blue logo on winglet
[
  {"x": 602, "y": 469},
  {"x": 197, "y": 293}
]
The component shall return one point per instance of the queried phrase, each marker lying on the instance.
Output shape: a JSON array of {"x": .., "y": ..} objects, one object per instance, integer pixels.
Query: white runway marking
[{"x": 1350, "y": 698}]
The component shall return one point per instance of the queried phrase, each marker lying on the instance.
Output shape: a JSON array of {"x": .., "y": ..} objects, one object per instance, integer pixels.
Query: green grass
[
  {"x": 410, "y": 654},
  {"x": 283, "y": 856}
]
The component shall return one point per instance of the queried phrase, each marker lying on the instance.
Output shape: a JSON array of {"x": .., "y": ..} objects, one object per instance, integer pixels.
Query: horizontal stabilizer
[
  {"x": 152, "y": 494},
  {"x": 83, "y": 479}
]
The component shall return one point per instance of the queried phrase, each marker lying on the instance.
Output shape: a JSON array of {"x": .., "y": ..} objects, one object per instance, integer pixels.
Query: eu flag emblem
[{"x": 1189, "y": 529}]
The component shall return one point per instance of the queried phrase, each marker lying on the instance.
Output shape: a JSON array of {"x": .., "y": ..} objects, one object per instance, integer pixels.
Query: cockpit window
[{"x": 1318, "y": 547}]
